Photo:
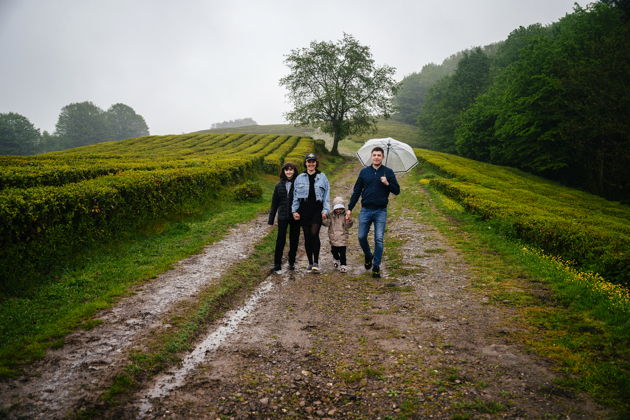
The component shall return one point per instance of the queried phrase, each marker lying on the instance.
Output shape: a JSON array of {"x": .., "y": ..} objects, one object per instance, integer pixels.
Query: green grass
[
  {"x": 565, "y": 222},
  {"x": 467, "y": 409},
  {"x": 585, "y": 332},
  {"x": 31, "y": 323}
]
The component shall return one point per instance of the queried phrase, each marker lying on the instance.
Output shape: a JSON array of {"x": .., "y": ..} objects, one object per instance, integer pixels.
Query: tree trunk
[{"x": 336, "y": 140}]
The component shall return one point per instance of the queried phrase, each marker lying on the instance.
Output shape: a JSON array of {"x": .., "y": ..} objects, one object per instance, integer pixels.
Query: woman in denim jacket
[{"x": 311, "y": 204}]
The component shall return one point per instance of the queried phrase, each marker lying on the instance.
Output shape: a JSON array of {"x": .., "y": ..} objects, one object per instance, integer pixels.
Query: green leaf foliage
[
  {"x": 571, "y": 224},
  {"x": 558, "y": 103},
  {"x": 18, "y": 136},
  {"x": 551, "y": 100},
  {"x": 450, "y": 96},
  {"x": 338, "y": 87}
]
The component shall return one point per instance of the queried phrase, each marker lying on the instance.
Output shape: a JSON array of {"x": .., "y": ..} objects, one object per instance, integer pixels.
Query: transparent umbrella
[{"x": 399, "y": 156}]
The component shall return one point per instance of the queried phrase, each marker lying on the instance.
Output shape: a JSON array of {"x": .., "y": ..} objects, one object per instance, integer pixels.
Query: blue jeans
[{"x": 366, "y": 218}]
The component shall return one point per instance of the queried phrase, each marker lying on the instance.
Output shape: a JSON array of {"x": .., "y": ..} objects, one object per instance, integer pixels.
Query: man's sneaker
[
  {"x": 309, "y": 269},
  {"x": 336, "y": 264},
  {"x": 368, "y": 262},
  {"x": 376, "y": 272},
  {"x": 343, "y": 268},
  {"x": 277, "y": 269},
  {"x": 315, "y": 268},
  {"x": 291, "y": 267}
]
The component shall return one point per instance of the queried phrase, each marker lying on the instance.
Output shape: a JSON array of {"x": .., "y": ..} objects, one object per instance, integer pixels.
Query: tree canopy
[
  {"x": 553, "y": 100},
  {"x": 239, "y": 122},
  {"x": 82, "y": 123},
  {"x": 450, "y": 96},
  {"x": 123, "y": 122},
  {"x": 339, "y": 88},
  {"x": 18, "y": 136}
]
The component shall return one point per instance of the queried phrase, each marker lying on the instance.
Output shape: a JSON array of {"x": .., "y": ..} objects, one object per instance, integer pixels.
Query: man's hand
[
  {"x": 384, "y": 180},
  {"x": 348, "y": 214},
  {"x": 324, "y": 216},
  {"x": 296, "y": 215}
]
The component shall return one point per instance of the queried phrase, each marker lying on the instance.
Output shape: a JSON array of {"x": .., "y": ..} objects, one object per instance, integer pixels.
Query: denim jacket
[{"x": 322, "y": 191}]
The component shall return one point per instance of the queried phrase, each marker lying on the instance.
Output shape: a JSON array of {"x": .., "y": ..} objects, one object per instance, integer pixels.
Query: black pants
[
  {"x": 311, "y": 221},
  {"x": 294, "y": 240},
  {"x": 339, "y": 253},
  {"x": 311, "y": 241}
]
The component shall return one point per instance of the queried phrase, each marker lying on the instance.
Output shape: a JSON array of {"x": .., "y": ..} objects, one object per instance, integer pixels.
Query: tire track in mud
[
  {"x": 421, "y": 343},
  {"x": 55, "y": 385}
]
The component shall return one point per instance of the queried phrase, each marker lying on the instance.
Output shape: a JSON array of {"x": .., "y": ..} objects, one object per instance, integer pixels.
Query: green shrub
[
  {"x": 248, "y": 191},
  {"x": 577, "y": 226}
]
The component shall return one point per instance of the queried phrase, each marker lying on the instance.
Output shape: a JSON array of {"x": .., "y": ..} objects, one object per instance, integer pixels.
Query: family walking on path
[{"x": 305, "y": 197}]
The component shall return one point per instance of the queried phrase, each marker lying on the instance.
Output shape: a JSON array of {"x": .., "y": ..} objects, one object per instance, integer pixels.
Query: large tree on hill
[
  {"x": 338, "y": 87},
  {"x": 18, "y": 136},
  {"x": 123, "y": 122}
]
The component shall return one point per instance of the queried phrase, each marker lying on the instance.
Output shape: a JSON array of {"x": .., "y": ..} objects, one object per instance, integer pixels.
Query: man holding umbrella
[{"x": 373, "y": 184}]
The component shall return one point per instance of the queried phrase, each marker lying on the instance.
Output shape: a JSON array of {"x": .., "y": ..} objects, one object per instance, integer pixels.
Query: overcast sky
[{"x": 186, "y": 64}]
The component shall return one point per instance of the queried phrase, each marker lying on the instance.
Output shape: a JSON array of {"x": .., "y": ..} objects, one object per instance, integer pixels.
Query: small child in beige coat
[{"x": 338, "y": 228}]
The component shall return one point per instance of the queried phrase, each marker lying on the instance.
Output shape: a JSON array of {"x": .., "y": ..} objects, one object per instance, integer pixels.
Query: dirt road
[{"x": 417, "y": 343}]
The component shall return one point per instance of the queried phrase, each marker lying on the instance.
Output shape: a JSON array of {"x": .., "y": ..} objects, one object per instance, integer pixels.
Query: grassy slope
[{"x": 386, "y": 128}]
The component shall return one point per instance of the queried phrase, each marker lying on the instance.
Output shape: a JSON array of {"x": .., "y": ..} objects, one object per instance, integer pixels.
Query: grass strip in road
[
  {"x": 32, "y": 323},
  {"x": 187, "y": 322},
  {"x": 564, "y": 319}
]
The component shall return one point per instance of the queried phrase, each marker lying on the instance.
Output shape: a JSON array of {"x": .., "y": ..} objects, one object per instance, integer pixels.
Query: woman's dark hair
[{"x": 283, "y": 177}]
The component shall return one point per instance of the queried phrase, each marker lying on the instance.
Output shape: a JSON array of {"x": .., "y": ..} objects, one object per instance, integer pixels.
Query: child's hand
[{"x": 296, "y": 216}]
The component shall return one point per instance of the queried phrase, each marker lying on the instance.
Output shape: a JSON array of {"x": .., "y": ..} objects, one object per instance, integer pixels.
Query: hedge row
[
  {"x": 75, "y": 198},
  {"x": 274, "y": 161},
  {"x": 304, "y": 146},
  {"x": 577, "y": 226},
  {"x": 56, "y": 175},
  {"x": 42, "y": 224},
  {"x": 135, "y": 154}
]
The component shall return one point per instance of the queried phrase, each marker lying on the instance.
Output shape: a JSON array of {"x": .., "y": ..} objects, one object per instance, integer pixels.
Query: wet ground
[{"x": 417, "y": 343}]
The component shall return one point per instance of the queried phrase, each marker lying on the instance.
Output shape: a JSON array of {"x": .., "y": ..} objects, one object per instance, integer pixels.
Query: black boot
[
  {"x": 368, "y": 262},
  {"x": 376, "y": 272}
]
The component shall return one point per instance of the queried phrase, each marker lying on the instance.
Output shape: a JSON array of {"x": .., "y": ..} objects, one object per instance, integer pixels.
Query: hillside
[{"x": 385, "y": 128}]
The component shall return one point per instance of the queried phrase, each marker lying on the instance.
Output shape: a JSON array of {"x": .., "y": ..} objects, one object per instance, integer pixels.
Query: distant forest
[
  {"x": 240, "y": 122},
  {"x": 79, "y": 124},
  {"x": 552, "y": 100}
]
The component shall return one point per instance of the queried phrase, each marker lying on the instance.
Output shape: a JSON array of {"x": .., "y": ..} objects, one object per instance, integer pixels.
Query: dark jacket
[
  {"x": 374, "y": 194},
  {"x": 281, "y": 203}
]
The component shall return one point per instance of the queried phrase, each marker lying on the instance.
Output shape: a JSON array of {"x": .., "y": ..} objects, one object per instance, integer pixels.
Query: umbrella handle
[{"x": 387, "y": 157}]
